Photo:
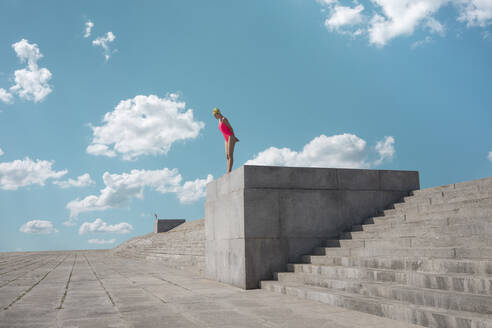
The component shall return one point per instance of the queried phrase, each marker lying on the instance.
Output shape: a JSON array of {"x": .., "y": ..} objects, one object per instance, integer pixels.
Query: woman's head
[{"x": 216, "y": 113}]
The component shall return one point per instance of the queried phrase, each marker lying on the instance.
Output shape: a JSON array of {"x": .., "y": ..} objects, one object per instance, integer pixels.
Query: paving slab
[{"x": 99, "y": 289}]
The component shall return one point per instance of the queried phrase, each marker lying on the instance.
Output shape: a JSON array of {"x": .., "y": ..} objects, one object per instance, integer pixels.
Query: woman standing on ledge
[{"x": 230, "y": 138}]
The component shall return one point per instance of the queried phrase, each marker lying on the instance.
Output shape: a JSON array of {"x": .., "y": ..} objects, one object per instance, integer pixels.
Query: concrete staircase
[
  {"x": 426, "y": 261},
  {"x": 182, "y": 247}
]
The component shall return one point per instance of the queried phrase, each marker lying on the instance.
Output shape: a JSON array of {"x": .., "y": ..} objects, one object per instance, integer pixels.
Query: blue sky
[{"x": 100, "y": 130}]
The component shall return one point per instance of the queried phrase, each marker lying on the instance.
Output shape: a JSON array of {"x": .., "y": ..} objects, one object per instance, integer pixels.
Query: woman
[{"x": 230, "y": 138}]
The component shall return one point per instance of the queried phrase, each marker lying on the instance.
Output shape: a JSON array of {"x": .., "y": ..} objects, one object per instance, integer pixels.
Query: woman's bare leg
[
  {"x": 227, "y": 152},
  {"x": 230, "y": 153}
]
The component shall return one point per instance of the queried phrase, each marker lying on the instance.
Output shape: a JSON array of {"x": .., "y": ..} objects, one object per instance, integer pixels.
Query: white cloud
[
  {"x": 435, "y": 26},
  {"x": 395, "y": 18},
  {"x": 101, "y": 241},
  {"x": 70, "y": 222},
  {"x": 100, "y": 149},
  {"x": 475, "y": 12},
  {"x": 344, "y": 16},
  {"x": 100, "y": 226},
  {"x": 327, "y": 2},
  {"x": 82, "y": 181},
  {"x": 87, "y": 204},
  {"x": 27, "y": 52},
  {"x": 191, "y": 191},
  {"x": 144, "y": 125},
  {"x": 38, "y": 227},
  {"x": 385, "y": 149},
  {"x": 1, "y": 152},
  {"x": 341, "y": 151},
  {"x": 420, "y": 43},
  {"x": 31, "y": 83},
  {"x": 120, "y": 188},
  {"x": 490, "y": 156},
  {"x": 6, "y": 96},
  {"x": 104, "y": 41},
  {"x": 88, "y": 28},
  {"x": 400, "y": 18},
  {"x": 345, "y": 150},
  {"x": 21, "y": 173}
]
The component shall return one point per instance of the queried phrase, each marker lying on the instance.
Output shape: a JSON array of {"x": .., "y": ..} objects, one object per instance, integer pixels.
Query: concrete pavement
[{"x": 98, "y": 289}]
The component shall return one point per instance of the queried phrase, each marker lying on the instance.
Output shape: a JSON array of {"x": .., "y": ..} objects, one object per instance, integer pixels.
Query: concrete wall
[
  {"x": 163, "y": 225},
  {"x": 259, "y": 218}
]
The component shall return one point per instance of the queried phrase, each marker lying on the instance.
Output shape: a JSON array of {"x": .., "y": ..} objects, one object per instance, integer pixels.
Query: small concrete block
[{"x": 164, "y": 225}]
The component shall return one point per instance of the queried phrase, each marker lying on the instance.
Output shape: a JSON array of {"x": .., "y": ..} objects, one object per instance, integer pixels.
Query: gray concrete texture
[
  {"x": 428, "y": 261},
  {"x": 259, "y": 218},
  {"x": 182, "y": 247},
  {"x": 164, "y": 225},
  {"x": 98, "y": 289}
]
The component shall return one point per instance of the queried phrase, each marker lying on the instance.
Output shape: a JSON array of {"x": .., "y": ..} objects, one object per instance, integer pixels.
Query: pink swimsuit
[{"x": 225, "y": 130}]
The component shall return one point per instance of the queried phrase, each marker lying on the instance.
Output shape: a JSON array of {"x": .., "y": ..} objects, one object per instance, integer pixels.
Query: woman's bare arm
[{"x": 226, "y": 122}]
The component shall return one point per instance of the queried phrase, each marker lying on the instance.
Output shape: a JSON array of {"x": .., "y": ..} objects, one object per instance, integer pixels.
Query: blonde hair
[{"x": 216, "y": 111}]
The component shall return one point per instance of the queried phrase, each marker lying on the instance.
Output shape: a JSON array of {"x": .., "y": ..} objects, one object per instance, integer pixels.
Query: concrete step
[
  {"x": 449, "y": 282},
  {"x": 429, "y": 230},
  {"x": 443, "y": 299},
  {"x": 429, "y": 239},
  {"x": 445, "y": 196},
  {"x": 428, "y": 261},
  {"x": 417, "y": 264},
  {"x": 394, "y": 309},
  {"x": 367, "y": 243},
  {"x": 444, "y": 221},
  {"x": 455, "y": 213},
  {"x": 178, "y": 243},
  {"x": 433, "y": 208},
  {"x": 436, "y": 252},
  {"x": 425, "y": 229},
  {"x": 177, "y": 258},
  {"x": 480, "y": 184},
  {"x": 173, "y": 252},
  {"x": 441, "y": 200},
  {"x": 181, "y": 247}
]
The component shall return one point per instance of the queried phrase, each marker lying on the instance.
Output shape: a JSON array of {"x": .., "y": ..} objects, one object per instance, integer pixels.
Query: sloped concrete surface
[
  {"x": 100, "y": 289},
  {"x": 183, "y": 247}
]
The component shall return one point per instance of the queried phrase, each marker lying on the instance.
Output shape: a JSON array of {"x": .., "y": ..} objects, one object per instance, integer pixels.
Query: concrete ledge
[
  {"x": 166, "y": 225},
  {"x": 259, "y": 218}
]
